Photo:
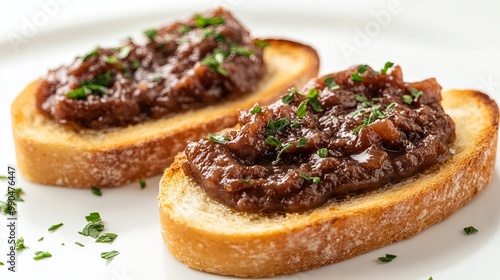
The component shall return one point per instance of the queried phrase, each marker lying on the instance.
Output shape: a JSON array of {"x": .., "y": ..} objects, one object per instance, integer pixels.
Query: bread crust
[
  {"x": 207, "y": 236},
  {"x": 52, "y": 154}
]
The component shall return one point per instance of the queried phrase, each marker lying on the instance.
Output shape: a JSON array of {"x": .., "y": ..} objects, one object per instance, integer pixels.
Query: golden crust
[
  {"x": 52, "y": 154},
  {"x": 207, "y": 236}
]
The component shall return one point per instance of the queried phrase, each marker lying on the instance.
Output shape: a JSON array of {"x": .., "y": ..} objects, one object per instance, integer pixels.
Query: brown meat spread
[
  {"x": 182, "y": 66},
  {"x": 346, "y": 133}
]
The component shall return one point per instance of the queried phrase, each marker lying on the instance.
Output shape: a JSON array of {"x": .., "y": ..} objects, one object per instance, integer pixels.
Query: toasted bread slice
[
  {"x": 207, "y": 236},
  {"x": 52, "y": 154}
]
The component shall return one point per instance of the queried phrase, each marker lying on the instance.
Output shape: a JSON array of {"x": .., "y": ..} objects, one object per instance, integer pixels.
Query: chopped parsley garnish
[
  {"x": 79, "y": 244},
  {"x": 183, "y": 29},
  {"x": 241, "y": 50},
  {"x": 261, "y": 43},
  {"x": 273, "y": 141},
  {"x": 416, "y": 94},
  {"x": 470, "y": 230},
  {"x": 215, "y": 60},
  {"x": 151, "y": 33},
  {"x": 246, "y": 181},
  {"x": 218, "y": 138},
  {"x": 135, "y": 64},
  {"x": 302, "y": 109},
  {"x": 109, "y": 255},
  {"x": 17, "y": 194},
  {"x": 387, "y": 258},
  {"x": 407, "y": 99},
  {"x": 323, "y": 152},
  {"x": 301, "y": 143},
  {"x": 360, "y": 70},
  {"x": 109, "y": 59},
  {"x": 20, "y": 244},
  {"x": 106, "y": 238},
  {"x": 202, "y": 21},
  {"x": 312, "y": 96},
  {"x": 124, "y": 52},
  {"x": 256, "y": 109},
  {"x": 40, "y": 239},
  {"x": 274, "y": 126},
  {"x": 142, "y": 183},
  {"x": 56, "y": 226},
  {"x": 331, "y": 84},
  {"x": 375, "y": 114},
  {"x": 387, "y": 66},
  {"x": 278, "y": 157},
  {"x": 295, "y": 124},
  {"x": 94, "y": 225},
  {"x": 289, "y": 97},
  {"x": 92, "y": 53},
  {"x": 363, "y": 100},
  {"x": 97, "y": 86},
  {"x": 96, "y": 191},
  {"x": 41, "y": 255},
  {"x": 390, "y": 106},
  {"x": 210, "y": 32},
  {"x": 314, "y": 180}
]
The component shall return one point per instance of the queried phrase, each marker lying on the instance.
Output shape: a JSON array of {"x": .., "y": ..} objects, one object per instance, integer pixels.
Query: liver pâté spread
[
  {"x": 346, "y": 133},
  {"x": 182, "y": 66}
]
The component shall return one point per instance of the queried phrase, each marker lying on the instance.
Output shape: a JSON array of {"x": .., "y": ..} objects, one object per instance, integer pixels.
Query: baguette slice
[
  {"x": 51, "y": 154},
  {"x": 207, "y": 236}
]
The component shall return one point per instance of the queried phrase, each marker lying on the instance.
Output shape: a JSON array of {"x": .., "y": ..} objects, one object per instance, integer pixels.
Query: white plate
[{"x": 456, "y": 42}]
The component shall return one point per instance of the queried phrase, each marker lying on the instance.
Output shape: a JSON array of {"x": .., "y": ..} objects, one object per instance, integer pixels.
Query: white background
[{"x": 456, "y": 42}]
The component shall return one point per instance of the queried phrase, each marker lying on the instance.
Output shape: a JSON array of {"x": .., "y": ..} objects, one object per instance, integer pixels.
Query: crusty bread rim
[
  {"x": 49, "y": 153},
  {"x": 207, "y": 236}
]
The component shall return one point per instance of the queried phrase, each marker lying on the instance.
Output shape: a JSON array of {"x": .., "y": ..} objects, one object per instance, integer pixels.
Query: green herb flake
[
  {"x": 124, "y": 52},
  {"x": 109, "y": 255},
  {"x": 261, "y": 43},
  {"x": 363, "y": 100},
  {"x": 278, "y": 157},
  {"x": 40, "y": 239},
  {"x": 2, "y": 264},
  {"x": 93, "y": 217},
  {"x": 273, "y": 141},
  {"x": 470, "y": 230},
  {"x": 78, "y": 93},
  {"x": 302, "y": 109},
  {"x": 362, "y": 68},
  {"x": 356, "y": 77},
  {"x": 62, "y": 244},
  {"x": 79, "y": 244},
  {"x": 215, "y": 60},
  {"x": 323, "y": 152},
  {"x": 301, "y": 143},
  {"x": 97, "y": 191},
  {"x": 295, "y": 124},
  {"x": 106, "y": 238},
  {"x": 56, "y": 226},
  {"x": 202, "y": 21},
  {"x": 151, "y": 33},
  {"x": 331, "y": 84},
  {"x": 387, "y": 66},
  {"x": 142, "y": 183},
  {"x": 218, "y": 138},
  {"x": 41, "y": 255},
  {"x": 290, "y": 96},
  {"x": 407, "y": 99},
  {"x": 390, "y": 106},
  {"x": 210, "y": 32},
  {"x": 314, "y": 180},
  {"x": 241, "y": 50},
  {"x": 255, "y": 110},
  {"x": 274, "y": 126},
  {"x": 135, "y": 64},
  {"x": 3, "y": 178},
  {"x": 387, "y": 258},
  {"x": 92, "y": 53},
  {"x": 183, "y": 29},
  {"x": 416, "y": 94},
  {"x": 20, "y": 244},
  {"x": 154, "y": 77},
  {"x": 246, "y": 181},
  {"x": 109, "y": 59}
]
